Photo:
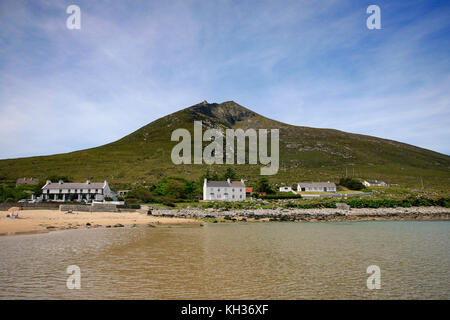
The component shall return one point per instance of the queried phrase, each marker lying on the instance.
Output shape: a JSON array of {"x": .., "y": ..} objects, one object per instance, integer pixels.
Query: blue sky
[{"x": 308, "y": 63}]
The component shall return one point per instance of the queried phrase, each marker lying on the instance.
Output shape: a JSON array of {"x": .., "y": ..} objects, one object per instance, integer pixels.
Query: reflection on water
[{"x": 232, "y": 261}]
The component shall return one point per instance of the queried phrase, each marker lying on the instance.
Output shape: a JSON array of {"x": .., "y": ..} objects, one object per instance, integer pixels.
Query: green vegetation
[
  {"x": 306, "y": 154},
  {"x": 13, "y": 193},
  {"x": 167, "y": 191},
  {"x": 350, "y": 183},
  {"x": 263, "y": 186},
  {"x": 57, "y": 178},
  {"x": 280, "y": 196},
  {"x": 371, "y": 203}
]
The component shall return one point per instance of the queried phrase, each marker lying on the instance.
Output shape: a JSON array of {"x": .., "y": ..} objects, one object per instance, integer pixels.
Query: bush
[
  {"x": 443, "y": 202},
  {"x": 280, "y": 196},
  {"x": 175, "y": 187},
  {"x": 351, "y": 184},
  {"x": 262, "y": 185},
  {"x": 139, "y": 194}
]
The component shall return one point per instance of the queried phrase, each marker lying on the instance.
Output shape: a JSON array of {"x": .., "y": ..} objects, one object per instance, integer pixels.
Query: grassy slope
[{"x": 305, "y": 154}]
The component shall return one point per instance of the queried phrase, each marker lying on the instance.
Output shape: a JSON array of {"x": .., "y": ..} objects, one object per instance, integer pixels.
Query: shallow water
[{"x": 232, "y": 261}]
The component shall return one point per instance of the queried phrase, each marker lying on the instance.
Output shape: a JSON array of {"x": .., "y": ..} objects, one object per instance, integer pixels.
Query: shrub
[
  {"x": 350, "y": 183},
  {"x": 280, "y": 196},
  {"x": 262, "y": 185},
  {"x": 176, "y": 187}
]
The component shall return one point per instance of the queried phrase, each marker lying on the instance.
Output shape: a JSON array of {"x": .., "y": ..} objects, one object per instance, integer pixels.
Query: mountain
[{"x": 305, "y": 154}]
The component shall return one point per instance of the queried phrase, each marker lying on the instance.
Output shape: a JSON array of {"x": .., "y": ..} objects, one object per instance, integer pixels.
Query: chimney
[
  {"x": 228, "y": 180},
  {"x": 60, "y": 182}
]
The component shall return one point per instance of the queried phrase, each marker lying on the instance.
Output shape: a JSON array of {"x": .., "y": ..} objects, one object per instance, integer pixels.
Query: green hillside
[{"x": 143, "y": 157}]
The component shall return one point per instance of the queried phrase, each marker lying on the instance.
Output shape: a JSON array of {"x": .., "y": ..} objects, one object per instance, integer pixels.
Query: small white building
[
  {"x": 285, "y": 189},
  {"x": 68, "y": 191},
  {"x": 375, "y": 183},
  {"x": 224, "y": 190},
  {"x": 316, "y": 186}
]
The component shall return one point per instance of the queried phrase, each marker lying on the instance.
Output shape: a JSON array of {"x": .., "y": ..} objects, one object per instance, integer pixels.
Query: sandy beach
[{"x": 40, "y": 221}]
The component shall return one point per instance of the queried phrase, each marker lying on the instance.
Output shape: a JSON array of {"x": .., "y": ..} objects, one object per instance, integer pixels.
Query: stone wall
[
  {"x": 95, "y": 207},
  {"x": 30, "y": 206},
  {"x": 75, "y": 207},
  {"x": 104, "y": 207}
]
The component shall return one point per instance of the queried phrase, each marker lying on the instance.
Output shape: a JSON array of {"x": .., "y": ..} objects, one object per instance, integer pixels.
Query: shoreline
[
  {"x": 44, "y": 221},
  {"x": 311, "y": 215}
]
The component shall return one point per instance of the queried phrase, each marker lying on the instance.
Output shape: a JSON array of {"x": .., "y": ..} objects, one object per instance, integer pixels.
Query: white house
[
  {"x": 375, "y": 183},
  {"x": 285, "y": 189},
  {"x": 316, "y": 186},
  {"x": 224, "y": 190},
  {"x": 67, "y": 191}
]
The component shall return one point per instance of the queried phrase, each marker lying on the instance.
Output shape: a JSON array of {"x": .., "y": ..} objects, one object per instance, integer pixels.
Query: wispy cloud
[{"x": 311, "y": 63}]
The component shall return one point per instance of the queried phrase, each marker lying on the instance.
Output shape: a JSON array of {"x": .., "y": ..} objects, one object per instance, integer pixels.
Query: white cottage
[
  {"x": 224, "y": 190},
  {"x": 316, "y": 186},
  {"x": 67, "y": 191}
]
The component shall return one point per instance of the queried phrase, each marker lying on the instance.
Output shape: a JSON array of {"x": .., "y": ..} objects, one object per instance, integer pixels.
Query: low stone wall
[
  {"x": 30, "y": 206},
  {"x": 95, "y": 207},
  {"x": 104, "y": 207}
]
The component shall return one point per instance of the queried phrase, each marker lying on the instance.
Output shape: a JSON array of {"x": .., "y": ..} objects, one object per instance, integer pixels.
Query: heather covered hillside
[{"x": 143, "y": 156}]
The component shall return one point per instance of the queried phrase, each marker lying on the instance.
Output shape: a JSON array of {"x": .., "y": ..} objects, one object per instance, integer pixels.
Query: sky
[{"x": 307, "y": 63}]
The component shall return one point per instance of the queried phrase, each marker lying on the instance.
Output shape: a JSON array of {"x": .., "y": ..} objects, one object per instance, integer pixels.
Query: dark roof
[
  {"x": 225, "y": 184},
  {"x": 217, "y": 184},
  {"x": 76, "y": 185}
]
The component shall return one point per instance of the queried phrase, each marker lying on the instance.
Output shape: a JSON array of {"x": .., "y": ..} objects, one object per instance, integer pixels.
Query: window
[
  {"x": 240, "y": 190},
  {"x": 240, "y": 196},
  {"x": 60, "y": 191},
  {"x": 233, "y": 189}
]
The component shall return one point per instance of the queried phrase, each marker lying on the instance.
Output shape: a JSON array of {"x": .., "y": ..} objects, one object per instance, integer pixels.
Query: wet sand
[{"x": 41, "y": 221}]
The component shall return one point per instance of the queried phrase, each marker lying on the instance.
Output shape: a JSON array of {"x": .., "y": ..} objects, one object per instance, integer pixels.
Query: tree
[
  {"x": 215, "y": 176},
  {"x": 141, "y": 194},
  {"x": 351, "y": 184},
  {"x": 262, "y": 185},
  {"x": 229, "y": 174},
  {"x": 56, "y": 178},
  {"x": 176, "y": 187}
]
